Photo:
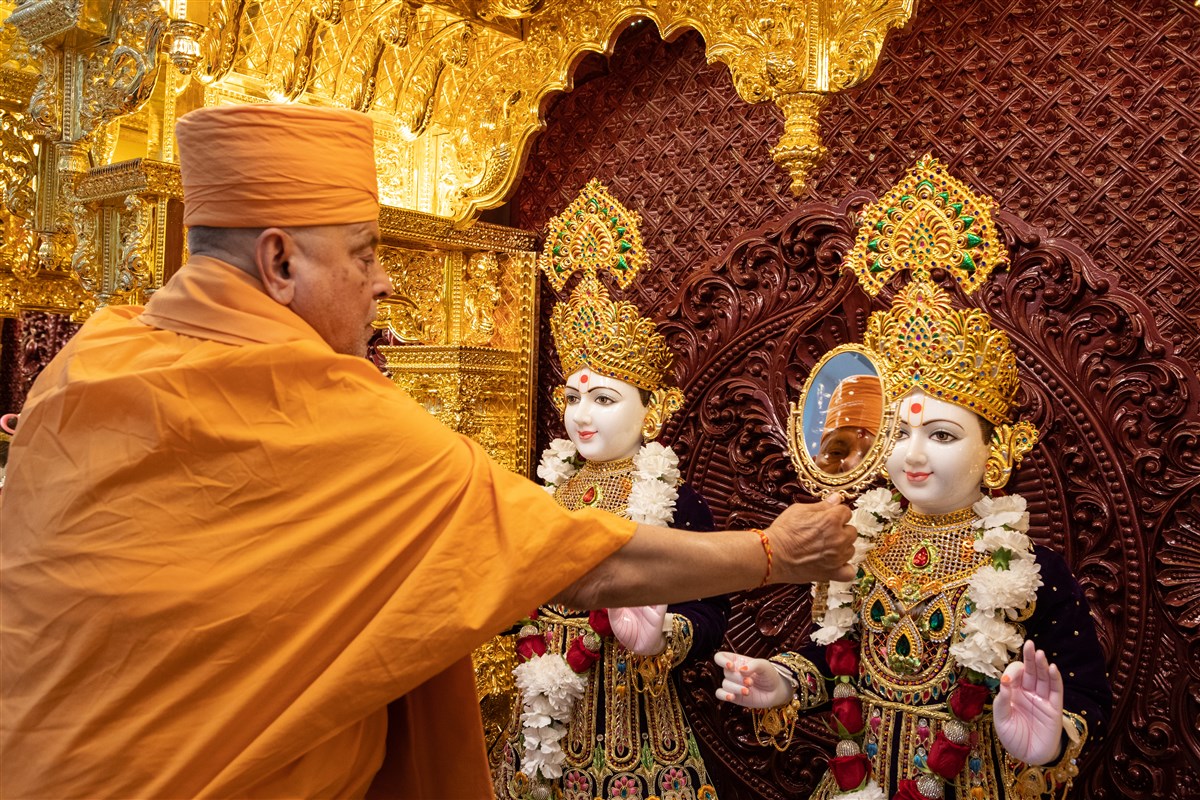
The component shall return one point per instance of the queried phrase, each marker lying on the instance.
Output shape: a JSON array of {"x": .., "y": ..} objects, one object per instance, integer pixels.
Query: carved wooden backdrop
[
  {"x": 1083, "y": 119},
  {"x": 26, "y": 346}
]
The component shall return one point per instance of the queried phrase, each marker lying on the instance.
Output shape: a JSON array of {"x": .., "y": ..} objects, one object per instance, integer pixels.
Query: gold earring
[
  {"x": 1008, "y": 446},
  {"x": 663, "y": 403}
]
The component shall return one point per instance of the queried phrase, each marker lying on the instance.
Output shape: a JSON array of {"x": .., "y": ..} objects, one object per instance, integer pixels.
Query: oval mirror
[{"x": 840, "y": 431}]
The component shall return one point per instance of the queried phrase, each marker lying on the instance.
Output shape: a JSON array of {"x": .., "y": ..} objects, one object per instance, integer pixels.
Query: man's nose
[{"x": 383, "y": 283}]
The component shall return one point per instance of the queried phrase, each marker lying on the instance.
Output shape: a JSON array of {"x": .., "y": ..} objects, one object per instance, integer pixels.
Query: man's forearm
[
  {"x": 811, "y": 542},
  {"x": 661, "y": 565}
]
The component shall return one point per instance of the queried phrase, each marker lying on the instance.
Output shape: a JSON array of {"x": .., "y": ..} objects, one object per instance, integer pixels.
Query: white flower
[
  {"x": 880, "y": 502},
  {"x": 657, "y": 462},
  {"x": 839, "y": 593},
  {"x": 550, "y": 489},
  {"x": 554, "y": 471},
  {"x": 872, "y": 791},
  {"x": 862, "y": 546},
  {"x": 995, "y": 538},
  {"x": 988, "y": 643},
  {"x": 651, "y": 502},
  {"x": 988, "y": 590},
  {"x": 866, "y": 523},
  {"x": 549, "y": 690},
  {"x": 996, "y": 512},
  {"x": 563, "y": 449},
  {"x": 836, "y": 624}
]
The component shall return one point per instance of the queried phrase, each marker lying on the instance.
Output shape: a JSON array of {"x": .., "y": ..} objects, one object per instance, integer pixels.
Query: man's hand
[
  {"x": 752, "y": 682},
  {"x": 639, "y": 628},
  {"x": 813, "y": 542},
  {"x": 1028, "y": 711}
]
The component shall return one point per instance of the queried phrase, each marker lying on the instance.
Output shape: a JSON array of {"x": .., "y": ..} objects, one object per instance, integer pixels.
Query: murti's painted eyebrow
[{"x": 928, "y": 422}]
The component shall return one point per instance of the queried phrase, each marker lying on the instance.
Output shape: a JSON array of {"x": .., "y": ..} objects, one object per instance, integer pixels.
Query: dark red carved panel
[
  {"x": 28, "y": 344},
  {"x": 1082, "y": 118}
]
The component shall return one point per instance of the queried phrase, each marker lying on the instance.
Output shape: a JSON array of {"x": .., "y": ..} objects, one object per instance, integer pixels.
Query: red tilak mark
[
  {"x": 915, "y": 408},
  {"x": 583, "y": 378}
]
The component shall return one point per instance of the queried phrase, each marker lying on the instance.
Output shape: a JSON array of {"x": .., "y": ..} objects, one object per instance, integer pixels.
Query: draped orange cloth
[{"x": 226, "y": 548}]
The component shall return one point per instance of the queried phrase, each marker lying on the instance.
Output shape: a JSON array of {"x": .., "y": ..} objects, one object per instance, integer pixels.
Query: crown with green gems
[
  {"x": 595, "y": 232},
  {"x": 932, "y": 220}
]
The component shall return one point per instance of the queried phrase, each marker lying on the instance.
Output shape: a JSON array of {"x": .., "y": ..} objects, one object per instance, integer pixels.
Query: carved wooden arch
[{"x": 1112, "y": 484}]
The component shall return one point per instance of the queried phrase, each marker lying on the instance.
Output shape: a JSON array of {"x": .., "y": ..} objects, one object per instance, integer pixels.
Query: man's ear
[{"x": 273, "y": 251}]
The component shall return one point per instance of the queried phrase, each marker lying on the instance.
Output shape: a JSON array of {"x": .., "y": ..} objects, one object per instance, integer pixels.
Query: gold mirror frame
[{"x": 813, "y": 478}]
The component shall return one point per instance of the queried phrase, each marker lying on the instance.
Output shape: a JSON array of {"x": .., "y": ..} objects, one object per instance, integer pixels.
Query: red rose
[
  {"x": 598, "y": 619},
  {"x": 579, "y": 656},
  {"x": 946, "y": 758},
  {"x": 848, "y": 711},
  {"x": 530, "y": 646},
  {"x": 968, "y": 699},
  {"x": 850, "y": 772},
  {"x": 842, "y": 656},
  {"x": 907, "y": 790}
]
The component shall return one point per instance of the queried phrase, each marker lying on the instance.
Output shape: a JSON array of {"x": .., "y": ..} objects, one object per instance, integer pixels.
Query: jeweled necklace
[{"x": 651, "y": 494}]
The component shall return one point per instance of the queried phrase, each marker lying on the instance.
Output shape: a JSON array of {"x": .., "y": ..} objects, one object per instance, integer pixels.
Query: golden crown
[
  {"x": 590, "y": 329},
  {"x": 930, "y": 220}
]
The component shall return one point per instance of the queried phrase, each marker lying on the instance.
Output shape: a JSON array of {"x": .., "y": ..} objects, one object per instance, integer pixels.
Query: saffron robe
[{"x": 226, "y": 548}]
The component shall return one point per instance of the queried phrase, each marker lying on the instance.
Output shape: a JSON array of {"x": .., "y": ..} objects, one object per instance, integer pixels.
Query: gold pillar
[{"x": 464, "y": 310}]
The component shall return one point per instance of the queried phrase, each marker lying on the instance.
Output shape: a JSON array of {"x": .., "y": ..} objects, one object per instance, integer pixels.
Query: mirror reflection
[{"x": 843, "y": 413}]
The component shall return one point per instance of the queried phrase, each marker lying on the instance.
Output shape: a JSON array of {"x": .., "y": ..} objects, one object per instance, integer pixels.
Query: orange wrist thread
[{"x": 766, "y": 546}]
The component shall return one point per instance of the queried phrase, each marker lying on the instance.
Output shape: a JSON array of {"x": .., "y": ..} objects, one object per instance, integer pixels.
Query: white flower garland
[
  {"x": 655, "y": 479},
  {"x": 1001, "y": 590},
  {"x": 549, "y": 690},
  {"x": 872, "y": 513},
  {"x": 998, "y": 591}
]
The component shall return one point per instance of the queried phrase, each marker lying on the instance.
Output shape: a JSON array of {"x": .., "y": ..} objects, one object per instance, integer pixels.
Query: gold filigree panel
[{"x": 466, "y": 316}]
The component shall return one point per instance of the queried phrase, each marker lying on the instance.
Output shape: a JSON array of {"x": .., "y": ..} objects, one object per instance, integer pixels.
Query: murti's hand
[
  {"x": 1028, "y": 711},
  {"x": 640, "y": 628},
  {"x": 813, "y": 542},
  {"x": 752, "y": 682}
]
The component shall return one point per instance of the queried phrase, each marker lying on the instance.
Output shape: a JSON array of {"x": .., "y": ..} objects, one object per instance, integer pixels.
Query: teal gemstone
[{"x": 937, "y": 620}]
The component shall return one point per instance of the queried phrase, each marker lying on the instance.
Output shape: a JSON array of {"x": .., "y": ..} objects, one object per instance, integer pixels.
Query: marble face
[
  {"x": 603, "y": 416},
  {"x": 940, "y": 454}
]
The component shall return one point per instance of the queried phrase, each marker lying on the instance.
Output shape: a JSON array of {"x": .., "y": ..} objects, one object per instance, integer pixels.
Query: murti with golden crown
[
  {"x": 625, "y": 734},
  {"x": 915, "y": 666}
]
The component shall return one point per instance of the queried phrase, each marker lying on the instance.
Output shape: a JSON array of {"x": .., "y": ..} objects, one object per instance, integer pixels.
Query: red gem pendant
[
  {"x": 591, "y": 496},
  {"x": 920, "y": 557}
]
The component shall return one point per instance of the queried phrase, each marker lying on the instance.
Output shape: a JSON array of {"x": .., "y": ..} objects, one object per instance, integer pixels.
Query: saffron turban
[
  {"x": 260, "y": 166},
  {"x": 857, "y": 402}
]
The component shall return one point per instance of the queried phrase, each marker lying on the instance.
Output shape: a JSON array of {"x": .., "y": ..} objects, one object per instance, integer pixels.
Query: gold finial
[
  {"x": 595, "y": 232},
  {"x": 590, "y": 329},
  {"x": 928, "y": 219}
]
